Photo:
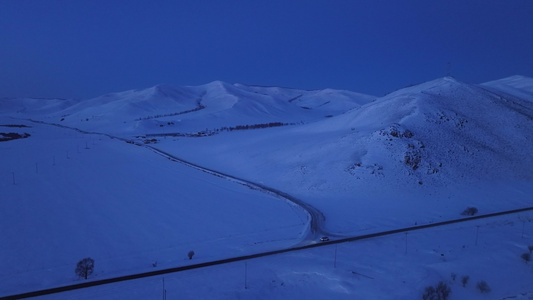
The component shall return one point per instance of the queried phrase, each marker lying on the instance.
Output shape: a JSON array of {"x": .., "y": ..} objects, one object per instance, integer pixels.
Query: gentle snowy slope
[
  {"x": 66, "y": 196},
  {"x": 416, "y": 156},
  {"x": 398, "y": 267},
  {"x": 30, "y": 106},
  {"x": 518, "y": 86}
]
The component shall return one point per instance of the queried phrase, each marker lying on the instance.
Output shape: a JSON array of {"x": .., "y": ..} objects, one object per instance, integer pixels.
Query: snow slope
[
  {"x": 427, "y": 151},
  {"x": 419, "y": 155},
  {"x": 395, "y": 267},
  {"x": 167, "y": 108},
  {"x": 518, "y": 86},
  {"x": 67, "y": 195}
]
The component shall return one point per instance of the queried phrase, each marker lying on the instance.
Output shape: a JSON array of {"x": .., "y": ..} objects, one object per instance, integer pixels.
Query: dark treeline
[
  {"x": 254, "y": 126},
  {"x": 12, "y": 136},
  {"x": 200, "y": 107},
  {"x": 17, "y": 126},
  {"x": 211, "y": 132}
]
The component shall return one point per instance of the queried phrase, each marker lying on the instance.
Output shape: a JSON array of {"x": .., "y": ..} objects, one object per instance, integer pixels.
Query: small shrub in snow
[
  {"x": 412, "y": 159},
  {"x": 453, "y": 276},
  {"x": 190, "y": 254},
  {"x": 429, "y": 293},
  {"x": 530, "y": 248},
  {"x": 526, "y": 257},
  {"x": 441, "y": 292},
  {"x": 464, "y": 280},
  {"x": 483, "y": 286},
  {"x": 469, "y": 211},
  {"x": 85, "y": 267}
]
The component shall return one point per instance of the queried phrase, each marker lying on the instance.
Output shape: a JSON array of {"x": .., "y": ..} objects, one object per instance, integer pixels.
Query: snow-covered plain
[{"x": 418, "y": 155}]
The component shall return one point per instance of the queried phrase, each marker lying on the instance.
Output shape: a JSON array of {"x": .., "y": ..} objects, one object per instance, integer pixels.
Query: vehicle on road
[{"x": 324, "y": 239}]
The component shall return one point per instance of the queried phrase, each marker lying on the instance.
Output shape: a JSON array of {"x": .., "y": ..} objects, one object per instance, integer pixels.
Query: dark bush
[
  {"x": 429, "y": 293},
  {"x": 469, "y": 211},
  {"x": 441, "y": 292},
  {"x": 483, "y": 287},
  {"x": 526, "y": 257},
  {"x": 464, "y": 280}
]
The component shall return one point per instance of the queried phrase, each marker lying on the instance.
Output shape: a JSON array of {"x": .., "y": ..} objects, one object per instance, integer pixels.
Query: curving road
[
  {"x": 317, "y": 218},
  {"x": 316, "y": 221}
]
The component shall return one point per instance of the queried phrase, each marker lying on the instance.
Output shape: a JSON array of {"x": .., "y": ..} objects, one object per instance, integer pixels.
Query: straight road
[{"x": 257, "y": 255}]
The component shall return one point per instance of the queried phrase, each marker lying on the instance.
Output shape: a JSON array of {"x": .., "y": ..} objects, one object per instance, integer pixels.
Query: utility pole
[
  {"x": 245, "y": 275},
  {"x": 13, "y": 173},
  {"x": 405, "y": 243},
  {"x": 164, "y": 290},
  {"x": 335, "y": 260}
]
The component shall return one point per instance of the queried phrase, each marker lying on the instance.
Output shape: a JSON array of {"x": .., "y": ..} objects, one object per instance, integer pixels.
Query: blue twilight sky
[{"x": 83, "y": 49}]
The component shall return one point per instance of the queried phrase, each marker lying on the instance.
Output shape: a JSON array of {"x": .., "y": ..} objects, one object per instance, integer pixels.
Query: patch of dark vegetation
[
  {"x": 356, "y": 168},
  {"x": 412, "y": 159},
  {"x": 469, "y": 211},
  {"x": 295, "y": 98},
  {"x": 397, "y": 131},
  {"x": 441, "y": 292},
  {"x": 200, "y": 107},
  {"x": 208, "y": 132},
  {"x": 483, "y": 287},
  {"x": 15, "y": 126},
  {"x": 4, "y": 137},
  {"x": 150, "y": 141}
]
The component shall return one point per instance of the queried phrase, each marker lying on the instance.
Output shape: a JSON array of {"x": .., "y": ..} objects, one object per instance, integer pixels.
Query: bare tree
[
  {"x": 464, "y": 280},
  {"x": 441, "y": 292},
  {"x": 85, "y": 267},
  {"x": 483, "y": 286}
]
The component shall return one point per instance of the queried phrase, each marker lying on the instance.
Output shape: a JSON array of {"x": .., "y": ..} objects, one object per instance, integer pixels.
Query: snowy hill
[
  {"x": 33, "y": 106},
  {"x": 518, "y": 86},
  {"x": 452, "y": 142},
  {"x": 416, "y": 156},
  {"x": 196, "y": 108}
]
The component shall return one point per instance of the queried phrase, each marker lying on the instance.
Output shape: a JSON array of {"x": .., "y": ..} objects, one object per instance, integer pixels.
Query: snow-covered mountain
[
  {"x": 194, "y": 108},
  {"x": 445, "y": 140},
  {"x": 415, "y": 156},
  {"x": 518, "y": 86}
]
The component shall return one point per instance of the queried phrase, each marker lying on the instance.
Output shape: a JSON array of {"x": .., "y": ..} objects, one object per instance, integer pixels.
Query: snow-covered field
[
  {"x": 77, "y": 195},
  {"x": 393, "y": 267},
  {"x": 416, "y": 156}
]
